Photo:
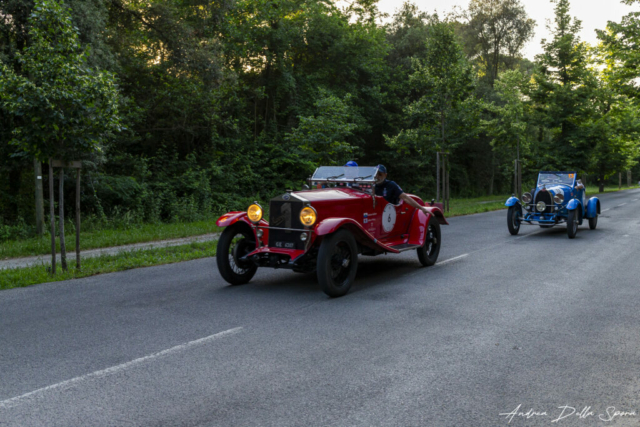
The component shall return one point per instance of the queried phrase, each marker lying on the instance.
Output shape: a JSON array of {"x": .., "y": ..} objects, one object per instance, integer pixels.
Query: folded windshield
[
  {"x": 345, "y": 174},
  {"x": 551, "y": 178}
]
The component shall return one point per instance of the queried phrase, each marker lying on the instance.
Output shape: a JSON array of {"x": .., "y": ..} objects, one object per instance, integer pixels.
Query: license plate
[{"x": 287, "y": 245}]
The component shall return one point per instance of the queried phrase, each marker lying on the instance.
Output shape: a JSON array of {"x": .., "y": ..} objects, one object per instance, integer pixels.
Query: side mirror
[{"x": 305, "y": 187}]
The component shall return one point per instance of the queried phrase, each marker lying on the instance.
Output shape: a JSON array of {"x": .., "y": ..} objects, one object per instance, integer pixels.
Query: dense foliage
[{"x": 221, "y": 103}]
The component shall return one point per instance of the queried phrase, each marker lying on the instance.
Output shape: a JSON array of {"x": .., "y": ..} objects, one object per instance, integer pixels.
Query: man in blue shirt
[{"x": 392, "y": 191}]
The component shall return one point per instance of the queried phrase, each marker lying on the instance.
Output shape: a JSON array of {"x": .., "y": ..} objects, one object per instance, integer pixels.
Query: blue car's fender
[
  {"x": 573, "y": 204},
  {"x": 593, "y": 208},
  {"x": 513, "y": 201}
]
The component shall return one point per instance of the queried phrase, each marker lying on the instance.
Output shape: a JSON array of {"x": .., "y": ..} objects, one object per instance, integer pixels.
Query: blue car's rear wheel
[
  {"x": 235, "y": 242},
  {"x": 593, "y": 222},
  {"x": 337, "y": 263},
  {"x": 513, "y": 220}
]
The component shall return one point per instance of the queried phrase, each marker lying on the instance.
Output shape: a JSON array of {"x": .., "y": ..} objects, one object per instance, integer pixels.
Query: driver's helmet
[{"x": 351, "y": 163}]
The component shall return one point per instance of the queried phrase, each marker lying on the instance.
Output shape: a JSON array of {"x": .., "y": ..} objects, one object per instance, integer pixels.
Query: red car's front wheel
[
  {"x": 337, "y": 263},
  {"x": 235, "y": 242}
]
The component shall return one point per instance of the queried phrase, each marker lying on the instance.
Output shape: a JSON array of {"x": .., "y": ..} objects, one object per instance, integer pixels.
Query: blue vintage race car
[{"x": 557, "y": 199}]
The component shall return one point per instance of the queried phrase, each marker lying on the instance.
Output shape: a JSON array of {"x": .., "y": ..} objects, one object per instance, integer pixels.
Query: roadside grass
[
  {"x": 20, "y": 277},
  {"x": 104, "y": 238},
  {"x": 476, "y": 205}
]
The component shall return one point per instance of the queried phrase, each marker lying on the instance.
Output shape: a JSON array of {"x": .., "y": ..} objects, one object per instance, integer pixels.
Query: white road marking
[
  {"x": 447, "y": 261},
  {"x": 604, "y": 210},
  {"x": 530, "y": 234},
  {"x": 634, "y": 200},
  {"x": 14, "y": 401},
  {"x": 622, "y": 204}
]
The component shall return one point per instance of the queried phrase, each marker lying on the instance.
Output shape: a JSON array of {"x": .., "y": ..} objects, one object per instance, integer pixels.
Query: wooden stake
[
  {"x": 78, "y": 219},
  {"x": 52, "y": 215},
  {"x": 63, "y": 249},
  {"x": 37, "y": 169},
  {"x": 619, "y": 180}
]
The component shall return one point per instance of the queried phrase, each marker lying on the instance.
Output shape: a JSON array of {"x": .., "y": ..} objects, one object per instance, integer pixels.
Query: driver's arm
[{"x": 413, "y": 203}]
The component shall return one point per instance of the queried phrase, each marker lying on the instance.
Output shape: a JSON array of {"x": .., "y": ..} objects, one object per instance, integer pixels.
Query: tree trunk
[
  {"x": 438, "y": 177},
  {"x": 63, "y": 249},
  {"x": 52, "y": 217},
  {"x": 515, "y": 178},
  {"x": 444, "y": 182},
  {"x": 78, "y": 219},
  {"x": 601, "y": 184},
  {"x": 493, "y": 172},
  {"x": 37, "y": 169},
  {"x": 629, "y": 178},
  {"x": 448, "y": 191}
]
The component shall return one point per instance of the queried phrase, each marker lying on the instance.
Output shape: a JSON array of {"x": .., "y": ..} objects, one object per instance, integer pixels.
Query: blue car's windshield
[{"x": 554, "y": 178}]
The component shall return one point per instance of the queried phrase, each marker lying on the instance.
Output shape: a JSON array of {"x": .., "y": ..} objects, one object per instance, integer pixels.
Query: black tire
[
  {"x": 428, "y": 253},
  {"x": 337, "y": 263},
  {"x": 513, "y": 220},
  {"x": 572, "y": 223},
  {"x": 235, "y": 242},
  {"x": 593, "y": 222}
]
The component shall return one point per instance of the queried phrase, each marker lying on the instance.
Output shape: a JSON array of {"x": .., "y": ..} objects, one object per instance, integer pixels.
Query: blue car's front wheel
[
  {"x": 513, "y": 220},
  {"x": 572, "y": 223}
]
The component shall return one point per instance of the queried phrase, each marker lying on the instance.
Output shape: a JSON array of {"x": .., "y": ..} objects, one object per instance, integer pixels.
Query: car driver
[{"x": 392, "y": 191}]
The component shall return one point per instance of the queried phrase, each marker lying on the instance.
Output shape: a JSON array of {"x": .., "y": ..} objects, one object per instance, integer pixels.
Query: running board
[{"x": 405, "y": 247}]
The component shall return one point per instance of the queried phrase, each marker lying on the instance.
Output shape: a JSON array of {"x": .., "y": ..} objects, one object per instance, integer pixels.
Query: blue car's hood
[{"x": 566, "y": 190}]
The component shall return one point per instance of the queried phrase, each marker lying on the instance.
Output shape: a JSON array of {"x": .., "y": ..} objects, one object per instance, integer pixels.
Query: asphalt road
[{"x": 536, "y": 320}]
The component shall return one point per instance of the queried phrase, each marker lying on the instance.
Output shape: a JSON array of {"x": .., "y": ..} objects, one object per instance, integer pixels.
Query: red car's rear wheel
[
  {"x": 337, "y": 263},
  {"x": 429, "y": 251}
]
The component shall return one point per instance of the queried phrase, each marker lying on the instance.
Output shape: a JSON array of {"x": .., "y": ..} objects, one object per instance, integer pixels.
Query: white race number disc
[{"x": 388, "y": 218}]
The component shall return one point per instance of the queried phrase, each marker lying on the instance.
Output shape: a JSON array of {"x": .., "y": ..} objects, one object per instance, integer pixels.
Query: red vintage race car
[{"x": 324, "y": 229}]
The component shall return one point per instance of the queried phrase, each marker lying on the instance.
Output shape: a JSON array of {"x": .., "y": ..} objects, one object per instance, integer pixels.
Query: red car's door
[{"x": 394, "y": 219}]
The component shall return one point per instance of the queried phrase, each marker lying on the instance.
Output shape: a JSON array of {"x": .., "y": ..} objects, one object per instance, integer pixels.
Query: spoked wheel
[
  {"x": 337, "y": 263},
  {"x": 513, "y": 220},
  {"x": 236, "y": 242},
  {"x": 572, "y": 223},
  {"x": 593, "y": 222},
  {"x": 428, "y": 253}
]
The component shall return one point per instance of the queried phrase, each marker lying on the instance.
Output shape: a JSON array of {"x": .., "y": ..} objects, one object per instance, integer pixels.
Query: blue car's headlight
[
  {"x": 559, "y": 197},
  {"x": 541, "y": 206},
  {"x": 526, "y": 197}
]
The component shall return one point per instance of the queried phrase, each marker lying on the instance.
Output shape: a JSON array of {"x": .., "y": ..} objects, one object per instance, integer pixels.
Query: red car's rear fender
[
  {"x": 418, "y": 227},
  {"x": 365, "y": 238},
  {"x": 437, "y": 212}
]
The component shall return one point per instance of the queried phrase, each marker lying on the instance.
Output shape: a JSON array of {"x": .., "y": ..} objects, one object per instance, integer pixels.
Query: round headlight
[
  {"x": 254, "y": 213},
  {"x": 308, "y": 216},
  {"x": 526, "y": 197},
  {"x": 559, "y": 197},
  {"x": 541, "y": 206}
]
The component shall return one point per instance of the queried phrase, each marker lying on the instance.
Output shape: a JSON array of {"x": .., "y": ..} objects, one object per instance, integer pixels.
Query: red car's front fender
[
  {"x": 332, "y": 225},
  {"x": 231, "y": 218}
]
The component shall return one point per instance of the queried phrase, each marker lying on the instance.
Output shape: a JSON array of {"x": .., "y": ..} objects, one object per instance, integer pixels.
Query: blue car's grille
[{"x": 544, "y": 196}]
